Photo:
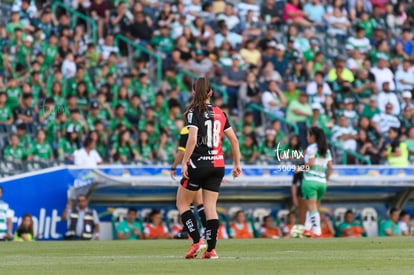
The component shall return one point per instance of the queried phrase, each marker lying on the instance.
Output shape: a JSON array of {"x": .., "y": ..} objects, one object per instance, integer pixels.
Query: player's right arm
[
  {"x": 189, "y": 148},
  {"x": 180, "y": 154},
  {"x": 177, "y": 160}
]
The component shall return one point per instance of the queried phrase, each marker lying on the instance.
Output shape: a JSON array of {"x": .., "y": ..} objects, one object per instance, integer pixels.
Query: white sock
[
  {"x": 308, "y": 223},
  {"x": 316, "y": 223}
]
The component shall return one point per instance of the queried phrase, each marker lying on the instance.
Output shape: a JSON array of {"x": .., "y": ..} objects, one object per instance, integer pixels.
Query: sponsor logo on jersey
[{"x": 220, "y": 157}]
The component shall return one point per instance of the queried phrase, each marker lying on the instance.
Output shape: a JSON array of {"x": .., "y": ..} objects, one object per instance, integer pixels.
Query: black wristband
[{"x": 173, "y": 169}]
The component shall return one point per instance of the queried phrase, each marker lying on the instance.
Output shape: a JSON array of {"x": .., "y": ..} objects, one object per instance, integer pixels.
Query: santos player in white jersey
[{"x": 319, "y": 160}]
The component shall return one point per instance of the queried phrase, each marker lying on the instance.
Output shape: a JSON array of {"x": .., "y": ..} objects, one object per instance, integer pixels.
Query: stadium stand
[{"x": 124, "y": 65}]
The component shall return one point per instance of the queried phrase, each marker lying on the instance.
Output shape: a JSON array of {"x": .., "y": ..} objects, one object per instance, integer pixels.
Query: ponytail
[
  {"x": 201, "y": 91},
  {"x": 320, "y": 140}
]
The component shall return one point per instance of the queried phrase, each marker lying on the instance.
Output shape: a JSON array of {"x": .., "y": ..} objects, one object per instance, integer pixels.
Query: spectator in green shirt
[
  {"x": 50, "y": 50},
  {"x": 81, "y": 76},
  {"x": 40, "y": 149},
  {"x": 68, "y": 145},
  {"x": 389, "y": 228},
  {"x": 119, "y": 118},
  {"x": 367, "y": 24},
  {"x": 6, "y": 115},
  {"x": 134, "y": 110},
  {"x": 168, "y": 122},
  {"x": 146, "y": 90},
  {"x": 321, "y": 119},
  {"x": 268, "y": 146},
  {"x": 248, "y": 119},
  {"x": 24, "y": 52},
  {"x": 363, "y": 86},
  {"x": 291, "y": 93},
  {"x": 38, "y": 87},
  {"x": 92, "y": 116},
  {"x": 154, "y": 132},
  {"x": 163, "y": 42},
  {"x": 248, "y": 149},
  {"x": 124, "y": 147},
  {"x": 122, "y": 98},
  {"x": 166, "y": 149},
  {"x": 13, "y": 24},
  {"x": 372, "y": 109},
  {"x": 82, "y": 97},
  {"x": 144, "y": 147},
  {"x": 14, "y": 152},
  {"x": 77, "y": 121},
  {"x": 14, "y": 93},
  {"x": 105, "y": 111},
  {"x": 58, "y": 94},
  {"x": 24, "y": 139},
  {"x": 92, "y": 56},
  {"x": 129, "y": 229},
  {"x": 298, "y": 112}
]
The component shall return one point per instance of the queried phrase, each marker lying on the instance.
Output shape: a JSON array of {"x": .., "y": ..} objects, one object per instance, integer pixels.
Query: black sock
[
  {"x": 211, "y": 234},
  {"x": 202, "y": 215},
  {"x": 190, "y": 224}
]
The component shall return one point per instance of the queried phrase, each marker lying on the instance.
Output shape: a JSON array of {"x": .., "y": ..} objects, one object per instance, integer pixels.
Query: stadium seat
[
  {"x": 29, "y": 166},
  {"x": 118, "y": 215},
  {"x": 232, "y": 211},
  {"x": 282, "y": 216},
  {"x": 258, "y": 215},
  {"x": 339, "y": 215},
  {"x": 143, "y": 214},
  {"x": 172, "y": 218},
  {"x": 369, "y": 218}
]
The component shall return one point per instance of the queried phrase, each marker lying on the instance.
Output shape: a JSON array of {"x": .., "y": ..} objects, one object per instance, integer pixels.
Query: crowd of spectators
[{"x": 345, "y": 66}]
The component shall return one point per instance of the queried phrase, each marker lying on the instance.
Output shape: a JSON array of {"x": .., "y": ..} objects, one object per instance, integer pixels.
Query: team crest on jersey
[
  {"x": 190, "y": 117},
  {"x": 206, "y": 115}
]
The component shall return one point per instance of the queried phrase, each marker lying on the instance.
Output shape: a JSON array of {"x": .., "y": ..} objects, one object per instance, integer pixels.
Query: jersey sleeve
[
  {"x": 183, "y": 139},
  {"x": 227, "y": 125},
  {"x": 310, "y": 153},
  {"x": 329, "y": 156},
  {"x": 193, "y": 120}
]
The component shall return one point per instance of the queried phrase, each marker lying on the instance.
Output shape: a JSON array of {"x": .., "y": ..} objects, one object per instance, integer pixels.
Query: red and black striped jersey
[{"x": 211, "y": 125}]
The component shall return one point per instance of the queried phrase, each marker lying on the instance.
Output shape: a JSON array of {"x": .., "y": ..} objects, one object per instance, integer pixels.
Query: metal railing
[
  {"x": 213, "y": 85},
  {"x": 273, "y": 116},
  {"x": 74, "y": 17},
  {"x": 295, "y": 128},
  {"x": 346, "y": 152},
  {"x": 139, "y": 48}
]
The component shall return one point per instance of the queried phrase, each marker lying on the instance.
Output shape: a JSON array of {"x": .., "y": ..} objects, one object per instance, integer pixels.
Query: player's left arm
[{"x": 329, "y": 170}]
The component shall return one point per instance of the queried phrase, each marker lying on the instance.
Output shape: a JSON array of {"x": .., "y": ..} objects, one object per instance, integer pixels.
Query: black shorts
[
  {"x": 208, "y": 178},
  {"x": 297, "y": 180}
]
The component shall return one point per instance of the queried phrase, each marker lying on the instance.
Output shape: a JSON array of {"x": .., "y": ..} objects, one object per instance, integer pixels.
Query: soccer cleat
[
  {"x": 196, "y": 249},
  {"x": 307, "y": 233},
  {"x": 210, "y": 255},
  {"x": 315, "y": 236}
]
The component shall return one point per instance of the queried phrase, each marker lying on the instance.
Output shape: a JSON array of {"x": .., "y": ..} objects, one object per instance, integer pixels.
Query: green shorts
[{"x": 313, "y": 190}]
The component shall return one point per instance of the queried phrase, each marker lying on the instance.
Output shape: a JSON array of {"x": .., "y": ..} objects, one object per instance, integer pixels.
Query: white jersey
[
  {"x": 5, "y": 214},
  {"x": 318, "y": 171}
]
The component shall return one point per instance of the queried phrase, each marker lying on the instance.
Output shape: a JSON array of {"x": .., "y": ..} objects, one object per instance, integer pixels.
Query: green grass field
[{"x": 286, "y": 256}]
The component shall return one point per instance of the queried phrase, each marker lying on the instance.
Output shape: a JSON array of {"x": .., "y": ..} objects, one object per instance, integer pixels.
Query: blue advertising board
[{"x": 44, "y": 194}]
